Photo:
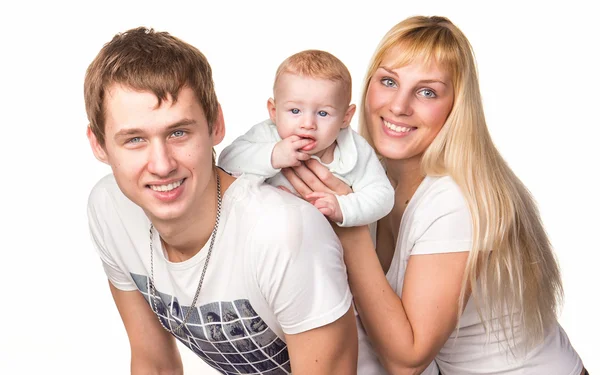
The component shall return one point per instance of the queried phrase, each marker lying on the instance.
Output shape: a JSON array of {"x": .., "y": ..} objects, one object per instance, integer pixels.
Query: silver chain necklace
[{"x": 178, "y": 329}]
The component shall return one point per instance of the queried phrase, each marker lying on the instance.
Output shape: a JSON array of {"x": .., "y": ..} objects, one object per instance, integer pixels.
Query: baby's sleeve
[
  {"x": 250, "y": 153},
  {"x": 373, "y": 195}
]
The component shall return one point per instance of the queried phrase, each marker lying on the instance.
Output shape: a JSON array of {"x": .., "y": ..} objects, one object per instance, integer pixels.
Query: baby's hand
[
  {"x": 286, "y": 152},
  {"x": 328, "y": 204}
]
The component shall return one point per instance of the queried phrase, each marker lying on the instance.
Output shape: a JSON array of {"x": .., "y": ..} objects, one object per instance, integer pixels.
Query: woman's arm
[
  {"x": 311, "y": 177},
  {"x": 407, "y": 333}
]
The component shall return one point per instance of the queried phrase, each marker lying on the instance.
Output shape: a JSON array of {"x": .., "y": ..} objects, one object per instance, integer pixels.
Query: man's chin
[{"x": 162, "y": 214}]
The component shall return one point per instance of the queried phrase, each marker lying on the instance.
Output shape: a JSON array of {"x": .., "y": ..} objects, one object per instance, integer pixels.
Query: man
[{"x": 181, "y": 241}]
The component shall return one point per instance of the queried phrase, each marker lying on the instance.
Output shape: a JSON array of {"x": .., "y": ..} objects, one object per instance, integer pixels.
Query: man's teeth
[
  {"x": 396, "y": 128},
  {"x": 168, "y": 187}
]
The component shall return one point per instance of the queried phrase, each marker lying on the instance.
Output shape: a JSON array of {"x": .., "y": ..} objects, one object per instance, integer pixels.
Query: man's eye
[
  {"x": 178, "y": 133},
  {"x": 135, "y": 140}
]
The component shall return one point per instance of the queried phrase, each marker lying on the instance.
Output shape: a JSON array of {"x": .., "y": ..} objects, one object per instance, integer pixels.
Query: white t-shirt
[
  {"x": 276, "y": 267},
  {"x": 438, "y": 220},
  {"x": 354, "y": 162}
]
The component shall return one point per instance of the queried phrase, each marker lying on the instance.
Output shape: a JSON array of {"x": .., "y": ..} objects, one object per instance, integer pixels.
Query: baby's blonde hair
[{"x": 317, "y": 64}]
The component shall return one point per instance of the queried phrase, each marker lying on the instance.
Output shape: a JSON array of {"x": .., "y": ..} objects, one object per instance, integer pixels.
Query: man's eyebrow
[
  {"x": 127, "y": 132},
  {"x": 183, "y": 122},
  {"x": 132, "y": 131}
]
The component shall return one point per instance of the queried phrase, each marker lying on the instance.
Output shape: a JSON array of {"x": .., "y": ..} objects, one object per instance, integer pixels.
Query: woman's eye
[
  {"x": 388, "y": 82},
  {"x": 322, "y": 113},
  {"x": 295, "y": 111},
  {"x": 428, "y": 93}
]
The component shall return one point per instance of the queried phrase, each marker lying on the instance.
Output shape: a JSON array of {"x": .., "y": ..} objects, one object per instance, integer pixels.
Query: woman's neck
[{"x": 404, "y": 175}]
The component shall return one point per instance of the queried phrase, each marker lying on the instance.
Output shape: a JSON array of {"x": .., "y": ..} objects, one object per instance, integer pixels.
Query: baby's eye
[
  {"x": 322, "y": 113},
  {"x": 295, "y": 111}
]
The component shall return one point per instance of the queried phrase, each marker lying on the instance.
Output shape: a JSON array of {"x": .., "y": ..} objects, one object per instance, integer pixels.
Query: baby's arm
[
  {"x": 261, "y": 152},
  {"x": 373, "y": 195}
]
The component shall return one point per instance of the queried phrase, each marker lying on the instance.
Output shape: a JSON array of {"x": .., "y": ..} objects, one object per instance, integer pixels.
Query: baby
[{"x": 310, "y": 114}]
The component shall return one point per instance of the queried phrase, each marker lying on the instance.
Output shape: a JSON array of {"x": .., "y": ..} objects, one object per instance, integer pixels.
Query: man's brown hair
[{"x": 145, "y": 60}]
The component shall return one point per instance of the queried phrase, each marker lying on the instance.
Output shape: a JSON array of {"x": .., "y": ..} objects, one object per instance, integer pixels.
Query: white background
[{"x": 539, "y": 79}]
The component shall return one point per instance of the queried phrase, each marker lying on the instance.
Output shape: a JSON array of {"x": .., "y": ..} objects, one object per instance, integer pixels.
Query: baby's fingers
[
  {"x": 324, "y": 206},
  {"x": 301, "y": 142},
  {"x": 302, "y": 156}
]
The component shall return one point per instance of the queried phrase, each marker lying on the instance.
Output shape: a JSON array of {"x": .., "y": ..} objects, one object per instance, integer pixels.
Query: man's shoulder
[
  {"x": 106, "y": 194},
  {"x": 102, "y": 189},
  {"x": 273, "y": 210},
  {"x": 253, "y": 192}
]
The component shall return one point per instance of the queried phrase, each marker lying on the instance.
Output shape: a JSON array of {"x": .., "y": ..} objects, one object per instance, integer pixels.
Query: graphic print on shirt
[{"x": 228, "y": 335}]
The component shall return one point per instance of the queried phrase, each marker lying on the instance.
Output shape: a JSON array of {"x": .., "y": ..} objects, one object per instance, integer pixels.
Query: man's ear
[
  {"x": 218, "y": 128},
  {"x": 97, "y": 148},
  {"x": 348, "y": 116},
  {"x": 272, "y": 110}
]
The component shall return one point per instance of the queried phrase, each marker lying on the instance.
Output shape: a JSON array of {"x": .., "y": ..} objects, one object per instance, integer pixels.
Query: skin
[
  {"x": 312, "y": 109},
  {"x": 148, "y": 145},
  {"x": 309, "y": 114},
  {"x": 416, "y": 100}
]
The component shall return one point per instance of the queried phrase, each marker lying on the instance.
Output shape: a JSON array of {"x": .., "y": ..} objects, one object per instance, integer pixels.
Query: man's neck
[{"x": 183, "y": 238}]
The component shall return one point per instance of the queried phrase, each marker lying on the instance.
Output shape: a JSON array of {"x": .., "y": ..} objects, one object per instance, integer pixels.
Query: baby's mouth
[{"x": 311, "y": 145}]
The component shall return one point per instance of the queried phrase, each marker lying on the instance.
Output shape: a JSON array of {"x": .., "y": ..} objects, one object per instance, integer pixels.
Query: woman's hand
[{"x": 311, "y": 177}]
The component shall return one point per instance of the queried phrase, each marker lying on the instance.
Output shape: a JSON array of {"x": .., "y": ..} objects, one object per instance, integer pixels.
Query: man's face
[{"x": 161, "y": 156}]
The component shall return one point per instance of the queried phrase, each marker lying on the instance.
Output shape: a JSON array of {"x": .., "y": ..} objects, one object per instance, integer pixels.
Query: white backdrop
[{"x": 539, "y": 79}]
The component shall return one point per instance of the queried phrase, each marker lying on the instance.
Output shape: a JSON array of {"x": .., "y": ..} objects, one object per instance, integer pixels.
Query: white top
[
  {"x": 354, "y": 162},
  {"x": 437, "y": 220},
  {"x": 276, "y": 267}
]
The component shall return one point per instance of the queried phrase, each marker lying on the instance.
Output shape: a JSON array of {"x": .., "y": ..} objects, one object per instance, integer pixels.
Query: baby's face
[{"x": 309, "y": 108}]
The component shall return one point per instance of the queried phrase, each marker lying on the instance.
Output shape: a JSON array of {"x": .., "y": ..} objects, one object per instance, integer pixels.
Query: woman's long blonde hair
[{"x": 520, "y": 277}]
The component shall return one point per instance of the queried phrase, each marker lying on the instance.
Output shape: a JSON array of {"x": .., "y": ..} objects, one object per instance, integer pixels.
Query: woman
[{"x": 462, "y": 270}]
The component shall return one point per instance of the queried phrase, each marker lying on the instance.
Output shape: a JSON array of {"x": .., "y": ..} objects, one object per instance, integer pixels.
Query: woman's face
[{"x": 406, "y": 107}]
